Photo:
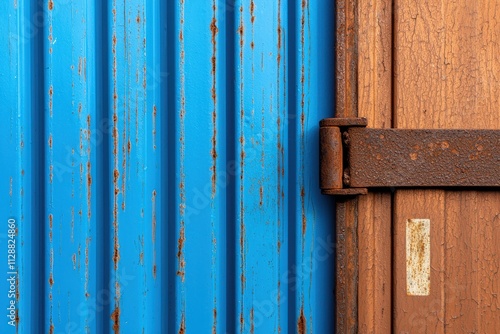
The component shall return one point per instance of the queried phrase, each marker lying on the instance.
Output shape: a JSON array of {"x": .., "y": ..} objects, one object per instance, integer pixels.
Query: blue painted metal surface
[{"x": 159, "y": 166}]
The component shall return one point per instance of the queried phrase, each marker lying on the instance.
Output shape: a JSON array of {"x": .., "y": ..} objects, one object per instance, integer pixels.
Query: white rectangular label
[{"x": 418, "y": 257}]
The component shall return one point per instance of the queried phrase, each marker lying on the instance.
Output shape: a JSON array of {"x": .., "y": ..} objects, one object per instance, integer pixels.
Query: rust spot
[
  {"x": 51, "y": 173},
  {"x": 304, "y": 219},
  {"x": 180, "y": 254},
  {"x": 261, "y": 195},
  {"x": 87, "y": 244},
  {"x": 80, "y": 65},
  {"x": 138, "y": 19},
  {"x": 214, "y": 327},
  {"x": 301, "y": 323},
  {"x": 252, "y": 316},
  {"x": 51, "y": 219},
  {"x": 241, "y": 30},
  {"x": 51, "y": 93},
  {"x": 51, "y": 329},
  {"x": 51, "y": 5},
  {"x": 252, "y": 11},
  {"x": 51, "y": 280},
  {"x": 182, "y": 328},
  {"x": 116, "y": 253},
  {"x": 252, "y": 45},
  {"x": 89, "y": 190},
  {"x": 115, "y": 317},
  {"x": 280, "y": 33}
]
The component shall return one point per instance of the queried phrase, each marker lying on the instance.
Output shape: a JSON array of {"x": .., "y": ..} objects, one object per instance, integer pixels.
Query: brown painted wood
[
  {"x": 346, "y": 220},
  {"x": 347, "y": 266},
  {"x": 419, "y": 314},
  {"x": 374, "y": 210},
  {"x": 446, "y": 76}
]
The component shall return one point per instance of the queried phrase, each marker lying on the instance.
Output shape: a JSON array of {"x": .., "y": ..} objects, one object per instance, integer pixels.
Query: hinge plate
[{"x": 354, "y": 158}]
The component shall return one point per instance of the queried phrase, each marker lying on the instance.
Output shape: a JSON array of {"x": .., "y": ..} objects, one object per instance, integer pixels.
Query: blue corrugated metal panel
[{"x": 160, "y": 163}]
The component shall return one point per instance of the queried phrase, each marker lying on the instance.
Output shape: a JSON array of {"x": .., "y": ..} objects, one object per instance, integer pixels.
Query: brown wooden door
[
  {"x": 447, "y": 72},
  {"x": 421, "y": 64}
]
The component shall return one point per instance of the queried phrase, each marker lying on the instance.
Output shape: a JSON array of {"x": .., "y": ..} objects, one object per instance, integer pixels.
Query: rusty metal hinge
[{"x": 354, "y": 158}]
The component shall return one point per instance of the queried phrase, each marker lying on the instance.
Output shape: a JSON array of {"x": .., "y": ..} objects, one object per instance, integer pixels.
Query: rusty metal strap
[{"x": 408, "y": 158}]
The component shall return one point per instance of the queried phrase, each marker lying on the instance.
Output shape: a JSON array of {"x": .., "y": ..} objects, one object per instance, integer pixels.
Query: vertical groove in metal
[
  {"x": 171, "y": 160},
  {"x": 230, "y": 8},
  {"x": 102, "y": 311},
  {"x": 36, "y": 19},
  {"x": 165, "y": 175}
]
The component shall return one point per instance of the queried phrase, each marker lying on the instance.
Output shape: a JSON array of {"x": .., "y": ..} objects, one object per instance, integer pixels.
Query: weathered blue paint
[{"x": 160, "y": 160}]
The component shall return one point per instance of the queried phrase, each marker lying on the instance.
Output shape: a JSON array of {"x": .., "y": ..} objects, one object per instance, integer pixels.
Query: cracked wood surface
[
  {"x": 446, "y": 76},
  {"x": 374, "y": 219}
]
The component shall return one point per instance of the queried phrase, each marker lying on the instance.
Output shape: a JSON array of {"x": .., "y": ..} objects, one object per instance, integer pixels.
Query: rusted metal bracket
[{"x": 354, "y": 158}]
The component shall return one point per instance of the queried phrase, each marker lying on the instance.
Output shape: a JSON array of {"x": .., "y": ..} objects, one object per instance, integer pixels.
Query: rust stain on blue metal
[
  {"x": 301, "y": 322},
  {"x": 240, "y": 32},
  {"x": 115, "y": 315},
  {"x": 182, "y": 113},
  {"x": 214, "y": 30}
]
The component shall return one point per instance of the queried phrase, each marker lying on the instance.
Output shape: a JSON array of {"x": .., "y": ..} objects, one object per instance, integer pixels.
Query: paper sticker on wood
[{"x": 418, "y": 257}]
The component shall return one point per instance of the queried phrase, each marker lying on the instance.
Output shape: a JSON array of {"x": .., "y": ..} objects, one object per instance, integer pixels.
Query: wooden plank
[
  {"x": 347, "y": 266},
  {"x": 446, "y": 69},
  {"x": 374, "y": 235},
  {"x": 419, "y": 314},
  {"x": 346, "y": 219},
  {"x": 374, "y": 219}
]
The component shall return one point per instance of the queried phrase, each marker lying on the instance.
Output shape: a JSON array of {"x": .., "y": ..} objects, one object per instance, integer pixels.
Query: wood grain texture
[
  {"x": 374, "y": 219},
  {"x": 347, "y": 266},
  {"x": 346, "y": 59},
  {"x": 446, "y": 76},
  {"x": 419, "y": 314},
  {"x": 346, "y": 294}
]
